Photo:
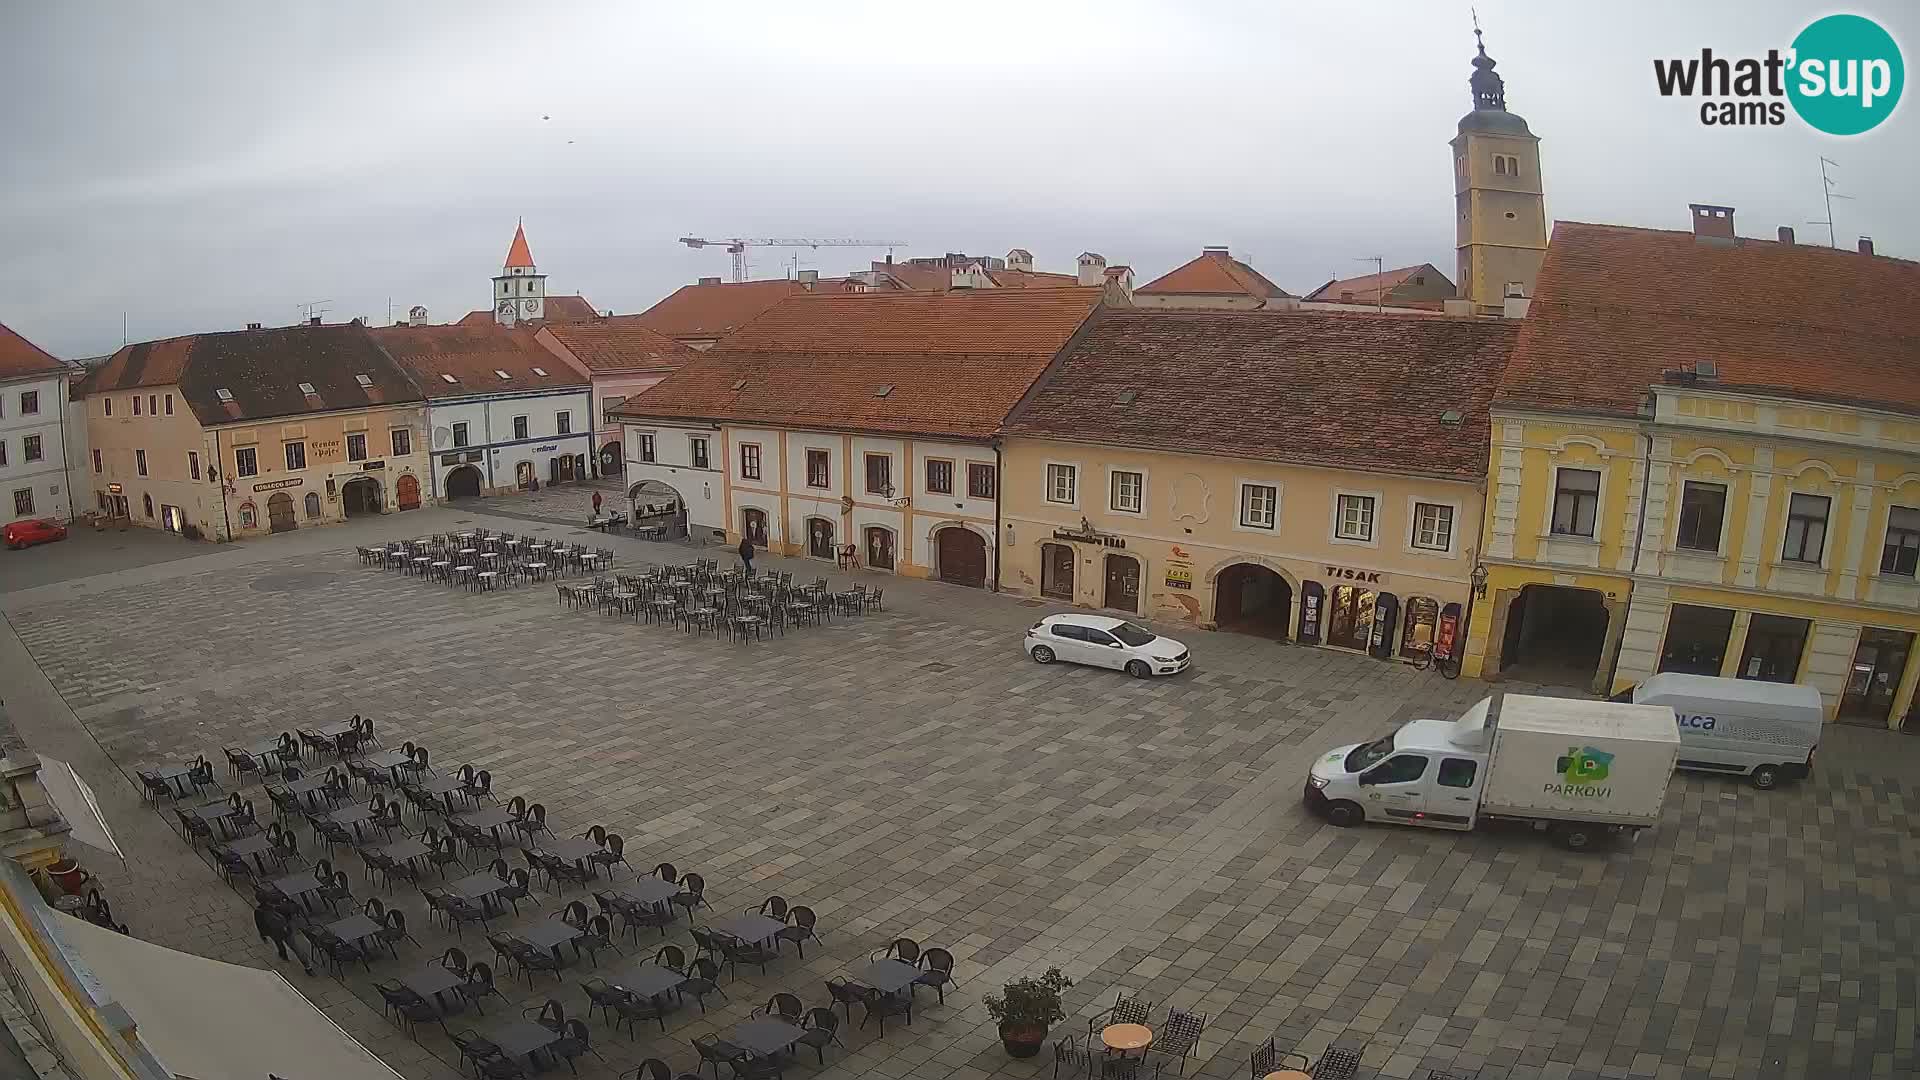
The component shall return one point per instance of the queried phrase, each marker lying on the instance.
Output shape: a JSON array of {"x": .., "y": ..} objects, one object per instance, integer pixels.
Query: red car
[{"x": 23, "y": 534}]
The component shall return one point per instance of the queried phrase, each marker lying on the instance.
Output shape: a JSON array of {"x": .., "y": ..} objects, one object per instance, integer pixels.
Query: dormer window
[{"x": 307, "y": 389}]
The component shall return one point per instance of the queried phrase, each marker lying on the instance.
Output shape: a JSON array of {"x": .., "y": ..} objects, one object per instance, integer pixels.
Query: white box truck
[
  {"x": 1584, "y": 770},
  {"x": 1765, "y": 731}
]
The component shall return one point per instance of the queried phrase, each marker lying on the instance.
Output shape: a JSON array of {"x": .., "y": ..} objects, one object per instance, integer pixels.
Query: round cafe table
[
  {"x": 1287, "y": 1074},
  {"x": 1127, "y": 1037}
]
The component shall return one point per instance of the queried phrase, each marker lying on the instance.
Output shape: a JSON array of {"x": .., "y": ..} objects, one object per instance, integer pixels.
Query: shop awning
[
  {"x": 74, "y": 799},
  {"x": 210, "y": 1020}
]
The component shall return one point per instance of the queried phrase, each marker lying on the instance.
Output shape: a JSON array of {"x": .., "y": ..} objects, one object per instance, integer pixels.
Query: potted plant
[{"x": 1026, "y": 1008}]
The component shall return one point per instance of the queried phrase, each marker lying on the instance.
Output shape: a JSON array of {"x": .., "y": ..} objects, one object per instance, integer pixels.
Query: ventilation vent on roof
[
  {"x": 739, "y": 384},
  {"x": 540, "y": 371},
  {"x": 363, "y": 380},
  {"x": 448, "y": 378},
  {"x": 223, "y": 394},
  {"x": 1126, "y": 397},
  {"x": 884, "y": 391},
  {"x": 1452, "y": 416}
]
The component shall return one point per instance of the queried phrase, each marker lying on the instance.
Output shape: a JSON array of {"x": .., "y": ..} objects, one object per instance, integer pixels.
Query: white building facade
[
  {"x": 510, "y": 441},
  {"x": 36, "y": 442}
]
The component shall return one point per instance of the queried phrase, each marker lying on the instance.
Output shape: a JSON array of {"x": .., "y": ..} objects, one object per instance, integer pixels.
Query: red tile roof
[
  {"x": 1341, "y": 389},
  {"x": 474, "y": 355},
  {"x": 1615, "y": 307},
  {"x": 1368, "y": 288},
  {"x": 1033, "y": 279},
  {"x": 908, "y": 363},
  {"x": 1214, "y": 273},
  {"x": 518, "y": 254},
  {"x": 620, "y": 343},
  {"x": 710, "y": 312},
  {"x": 262, "y": 370},
  {"x": 18, "y": 357}
]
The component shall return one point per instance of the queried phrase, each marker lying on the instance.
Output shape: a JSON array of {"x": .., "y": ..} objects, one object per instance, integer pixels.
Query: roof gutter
[{"x": 997, "y": 545}]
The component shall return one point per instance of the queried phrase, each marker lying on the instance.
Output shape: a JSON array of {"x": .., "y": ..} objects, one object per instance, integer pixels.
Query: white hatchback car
[{"x": 1106, "y": 642}]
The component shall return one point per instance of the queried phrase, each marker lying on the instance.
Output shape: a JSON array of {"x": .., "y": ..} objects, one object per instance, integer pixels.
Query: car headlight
[
  {"x": 1317, "y": 782},
  {"x": 1163, "y": 659}
]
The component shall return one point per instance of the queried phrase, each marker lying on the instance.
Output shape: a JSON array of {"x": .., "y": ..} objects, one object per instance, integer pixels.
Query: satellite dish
[{"x": 442, "y": 436}]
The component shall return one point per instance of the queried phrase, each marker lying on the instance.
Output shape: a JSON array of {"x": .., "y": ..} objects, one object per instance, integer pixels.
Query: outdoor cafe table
[
  {"x": 446, "y": 785},
  {"x": 173, "y": 774},
  {"x": 517, "y": 1038},
  {"x": 303, "y": 788},
  {"x": 479, "y": 886},
  {"x": 334, "y": 731},
  {"x": 648, "y": 890},
  {"x": 299, "y": 885},
  {"x": 750, "y": 927},
  {"x": 550, "y": 935},
  {"x": 256, "y": 845},
  {"x": 573, "y": 849},
  {"x": 888, "y": 976},
  {"x": 650, "y": 980},
  {"x": 766, "y": 1036},
  {"x": 431, "y": 981},
  {"x": 489, "y": 819},
  {"x": 354, "y": 928},
  {"x": 213, "y": 811},
  {"x": 350, "y": 815},
  {"x": 405, "y": 851},
  {"x": 264, "y": 748},
  {"x": 387, "y": 759}
]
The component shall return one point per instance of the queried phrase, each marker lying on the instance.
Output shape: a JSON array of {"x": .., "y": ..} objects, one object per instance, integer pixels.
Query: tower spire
[
  {"x": 518, "y": 254},
  {"x": 1489, "y": 89}
]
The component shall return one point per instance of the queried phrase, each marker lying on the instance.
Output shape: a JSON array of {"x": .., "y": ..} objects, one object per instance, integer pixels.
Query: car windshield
[
  {"x": 1132, "y": 634},
  {"x": 1364, "y": 757}
]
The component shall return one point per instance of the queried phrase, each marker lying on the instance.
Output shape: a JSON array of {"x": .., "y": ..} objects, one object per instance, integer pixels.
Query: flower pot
[
  {"x": 69, "y": 876},
  {"x": 1022, "y": 1040}
]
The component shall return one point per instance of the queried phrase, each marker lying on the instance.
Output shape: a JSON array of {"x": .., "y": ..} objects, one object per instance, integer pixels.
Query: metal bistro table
[
  {"x": 478, "y": 887},
  {"x": 489, "y": 819},
  {"x": 550, "y": 935},
  {"x": 351, "y": 815},
  {"x": 446, "y": 786},
  {"x": 651, "y": 891},
  {"x": 431, "y": 981},
  {"x": 754, "y": 928},
  {"x": 522, "y": 1038},
  {"x": 173, "y": 774},
  {"x": 405, "y": 851},
  {"x": 354, "y": 928},
  {"x": 389, "y": 760},
  {"x": 297, "y": 885},
  {"x": 573, "y": 849},
  {"x": 650, "y": 980},
  {"x": 767, "y": 1036},
  {"x": 889, "y": 976},
  {"x": 256, "y": 845}
]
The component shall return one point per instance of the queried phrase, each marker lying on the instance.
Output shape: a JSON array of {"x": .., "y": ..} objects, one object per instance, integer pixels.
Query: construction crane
[{"x": 737, "y": 247}]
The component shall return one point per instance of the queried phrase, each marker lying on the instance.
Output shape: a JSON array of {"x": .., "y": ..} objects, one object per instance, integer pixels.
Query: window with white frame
[
  {"x": 1259, "y": 506},
  {"x": 1576, "y": 502},
  {"x": 1353, "y": 518},
  {"x": 1806, "y": 528},
  {"x": 1432, "y": 526},
  {"x": 460, "y": 433},
  {"x": 1061, "y": 484},
  {"x": 697, "y": 448},
  {"x": 1127, "y": 491},
  {"x": 357, "y": 446},
  {"x": 246, "y": 462},
  {"x": 749, "y": 461},
  {"x": 646, "y": 448}
]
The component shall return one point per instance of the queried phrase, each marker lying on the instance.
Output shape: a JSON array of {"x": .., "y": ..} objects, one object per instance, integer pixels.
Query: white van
[{"x": 1764, "y": 731}]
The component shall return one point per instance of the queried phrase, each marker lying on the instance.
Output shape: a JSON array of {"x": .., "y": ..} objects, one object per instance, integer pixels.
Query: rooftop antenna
[
  {"x": 312, "y": 308},
  {"x": 1826, "y": 189},
  {"x": 1379, "y": 276}
]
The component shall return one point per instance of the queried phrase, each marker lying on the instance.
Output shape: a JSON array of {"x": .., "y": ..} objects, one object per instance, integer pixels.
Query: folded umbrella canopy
[{"x": 74, "y": 799}]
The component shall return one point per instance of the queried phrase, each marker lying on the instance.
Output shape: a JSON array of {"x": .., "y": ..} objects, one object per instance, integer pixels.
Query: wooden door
[
  {"x": 408, "y": 493},
  {"x": 280, "y": 513},
  {"x": 963, "y": 557},
  {"x": 879, "y": 548},
  {"x": 1123, "y": 583},
  {"x": 753, "y": 525}
]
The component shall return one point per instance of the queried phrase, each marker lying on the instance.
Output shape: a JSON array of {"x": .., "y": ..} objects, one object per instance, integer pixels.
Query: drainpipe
[
  {"x": 66, "y": 455},
  {"x": 220, "y": 456},
  {"x": 997, "y": 547},
  {"x": 1639, "y": 539}
]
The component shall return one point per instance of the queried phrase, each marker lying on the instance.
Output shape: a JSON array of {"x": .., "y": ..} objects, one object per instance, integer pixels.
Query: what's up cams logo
[{"x": 1842, "y": 75}]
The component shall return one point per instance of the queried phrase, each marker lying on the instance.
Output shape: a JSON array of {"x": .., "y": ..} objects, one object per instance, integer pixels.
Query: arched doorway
[
  {"x": 1123, "y": 583},
  {"x": 523, "y": 475},
  {"x": 147, "y": 504},
  {"x": 1554, "y": 632},
  {"x": 820, "y": 538},
  {"x": 963, "y": 556},
  {"x": 879, "y": 548},
  {"x": 1056, "y": 571},
  {"x": 360, "y": 496},
  {"x": 407, "y": 492},
  {"x": 753, "y": 526},
  {"x": 1350, "y": 617},
  {"x": 610, "y": 460},
  {"x": 280, "y": 513},
  {"x": 657, "y": 505},
  {"x": 1252, "y": 599},
  {"x": 313, "y": 506},
  {"x": 463, "y": 483}
]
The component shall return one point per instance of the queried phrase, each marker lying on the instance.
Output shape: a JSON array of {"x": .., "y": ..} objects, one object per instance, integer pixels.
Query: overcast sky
[{"x": 199, "y": 166}]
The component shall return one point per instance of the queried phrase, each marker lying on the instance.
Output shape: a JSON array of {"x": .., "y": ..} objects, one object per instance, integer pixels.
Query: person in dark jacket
[
  {"x": 746, "y": 552},
  {"x": 276, "y": 926}
]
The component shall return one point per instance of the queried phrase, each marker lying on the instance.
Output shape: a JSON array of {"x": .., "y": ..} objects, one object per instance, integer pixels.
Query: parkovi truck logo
[{"x": 1583, "y": 771}]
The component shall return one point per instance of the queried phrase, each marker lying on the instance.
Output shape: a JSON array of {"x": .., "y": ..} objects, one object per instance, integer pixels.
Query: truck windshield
[{"x": 1364, "y": 757}]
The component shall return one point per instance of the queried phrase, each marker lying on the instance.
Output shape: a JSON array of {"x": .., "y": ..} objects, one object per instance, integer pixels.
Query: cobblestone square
[{"x": 909, "y": 773}]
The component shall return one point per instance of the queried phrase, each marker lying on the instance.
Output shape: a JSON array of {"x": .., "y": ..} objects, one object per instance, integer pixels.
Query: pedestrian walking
[
  {"x": 746, "y": 553},
  {"x": 276, "y": 926},
  {"x": 596, "y": 504}
]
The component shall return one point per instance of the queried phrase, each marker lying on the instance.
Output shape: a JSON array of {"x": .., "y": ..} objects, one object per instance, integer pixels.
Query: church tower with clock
[{"x": 520, "y": 290}]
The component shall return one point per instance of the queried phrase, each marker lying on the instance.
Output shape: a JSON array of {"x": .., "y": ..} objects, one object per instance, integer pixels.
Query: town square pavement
[{"x": 909, "y": 773}]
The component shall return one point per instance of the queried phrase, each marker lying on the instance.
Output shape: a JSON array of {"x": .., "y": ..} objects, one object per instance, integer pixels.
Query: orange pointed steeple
[{"x": 518, "y": 254}]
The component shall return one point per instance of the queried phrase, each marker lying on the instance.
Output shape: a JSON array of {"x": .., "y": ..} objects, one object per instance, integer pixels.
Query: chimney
[
  {"x": 1712, "y": 222},
  {"x": 1457, "y": 307},
  {"x": 1786, "y": 235},
  {"x": 708, "y": 281},
  {"x": 313, "y": 320},
  {"x": 1093, "y": 268},
  {"x": 809, "y": 278},
  {"x": 253, "y": 326},
  {"x": 1219, "y": 250},
  {"x": 1866, "y": 245}
]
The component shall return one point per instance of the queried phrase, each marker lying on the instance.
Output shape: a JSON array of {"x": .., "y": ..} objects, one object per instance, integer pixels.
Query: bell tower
[
  {"x": 1499, "y": 205},
  {"x": 520, "y": 290}
]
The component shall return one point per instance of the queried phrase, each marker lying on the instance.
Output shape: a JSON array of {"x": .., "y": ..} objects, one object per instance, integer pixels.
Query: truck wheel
[
  {"x": 1345, "y": 815},
  {"x": 1576, "y": 837},
  {"x": 1766, "y": 777}
]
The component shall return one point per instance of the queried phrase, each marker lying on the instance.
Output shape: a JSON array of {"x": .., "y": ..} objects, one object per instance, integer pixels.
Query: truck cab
[{"x": 1429, "y": 772}]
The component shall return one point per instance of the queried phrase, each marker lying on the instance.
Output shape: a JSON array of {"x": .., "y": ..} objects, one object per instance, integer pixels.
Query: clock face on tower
[
  {"x": 531, "y": 306},
  {"x": 506, "y": 307}
]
